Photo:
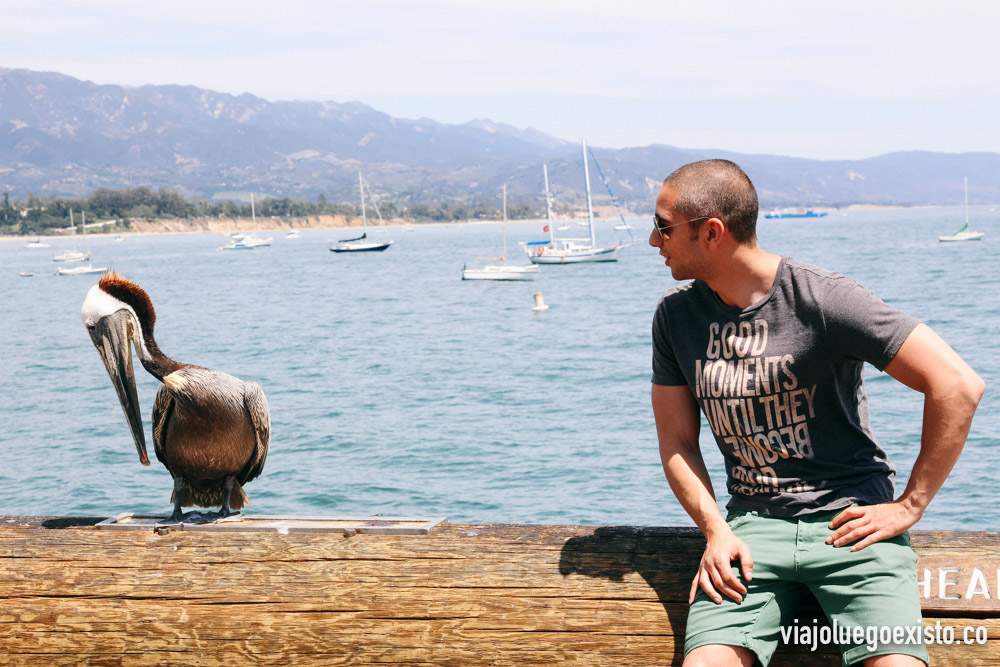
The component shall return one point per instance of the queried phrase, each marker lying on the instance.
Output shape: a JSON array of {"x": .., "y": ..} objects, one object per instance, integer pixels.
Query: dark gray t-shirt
[{"x": 781, "y": 384}]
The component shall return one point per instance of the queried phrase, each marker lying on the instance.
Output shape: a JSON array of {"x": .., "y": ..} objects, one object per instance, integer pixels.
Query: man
[{"x": 772, "y": 351}]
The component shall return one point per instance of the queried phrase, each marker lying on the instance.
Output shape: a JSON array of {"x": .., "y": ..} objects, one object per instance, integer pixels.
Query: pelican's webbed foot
[
  {"x": 192, "y": 517},
  {"x": 223, "y": 515},
  {"x": 178, "y": 516},
  {"x": 226, "y": 514}
]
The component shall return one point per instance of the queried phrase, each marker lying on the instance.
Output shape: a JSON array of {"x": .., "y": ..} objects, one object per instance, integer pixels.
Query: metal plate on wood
[{"x": 376, "y": 525}]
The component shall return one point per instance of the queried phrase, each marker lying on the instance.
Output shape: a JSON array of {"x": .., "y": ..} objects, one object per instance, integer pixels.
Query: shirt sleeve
[
  {"x": 666, "y": 370},
  {"x": 863, "y": 326}
]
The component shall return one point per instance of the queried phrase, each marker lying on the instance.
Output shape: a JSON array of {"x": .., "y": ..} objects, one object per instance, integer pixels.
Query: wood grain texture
[{"x": 464, "y": 595}]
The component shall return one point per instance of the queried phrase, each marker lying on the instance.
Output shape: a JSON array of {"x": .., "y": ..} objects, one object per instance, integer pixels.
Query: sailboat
[
  {"x": 964, "y": 234},
  {"x": 361, "y": 243},
  {"x": 503, "y": 271},
  {"x": 73, "y": 255},
  {"x": 251, "y": 240},
  {"x": 572, "y": 250},
  {"x": 37, "y": 243},
  {"x": 81, "y": 270}
]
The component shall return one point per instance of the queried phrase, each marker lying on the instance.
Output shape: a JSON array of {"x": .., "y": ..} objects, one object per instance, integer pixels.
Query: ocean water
[{"x": 397, "y": 388}]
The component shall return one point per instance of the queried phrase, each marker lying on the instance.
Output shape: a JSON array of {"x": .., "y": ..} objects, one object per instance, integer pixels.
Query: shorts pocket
[
  {"x": 735, "y": 519},
  {"x": 896, "y": 552}
]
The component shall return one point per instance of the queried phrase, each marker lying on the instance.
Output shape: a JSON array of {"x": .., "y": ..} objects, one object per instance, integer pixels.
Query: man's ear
[{"x": 715, "y": 230}]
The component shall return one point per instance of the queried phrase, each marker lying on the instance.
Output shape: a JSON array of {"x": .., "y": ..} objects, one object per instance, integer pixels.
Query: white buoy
[{"x": 539, "y": 303}]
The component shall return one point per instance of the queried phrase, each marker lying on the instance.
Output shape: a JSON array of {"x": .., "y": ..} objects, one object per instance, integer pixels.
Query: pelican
[{"x": 210, "y": 429}]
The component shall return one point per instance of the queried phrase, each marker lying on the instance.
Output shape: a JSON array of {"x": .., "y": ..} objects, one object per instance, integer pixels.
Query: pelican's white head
[{"x": 110, "y": 315}]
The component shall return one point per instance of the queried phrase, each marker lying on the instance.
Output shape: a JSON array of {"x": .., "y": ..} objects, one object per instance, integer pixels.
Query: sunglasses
[{"x": 663, "y": 229}]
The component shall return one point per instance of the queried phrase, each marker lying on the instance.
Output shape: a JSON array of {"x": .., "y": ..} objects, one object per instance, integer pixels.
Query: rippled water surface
[{"x": 397, "y": 388}]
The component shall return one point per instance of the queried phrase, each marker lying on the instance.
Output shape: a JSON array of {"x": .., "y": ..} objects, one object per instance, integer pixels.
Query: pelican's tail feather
[
  {"x": 211, "y": 494},
  {"x": 238, "y": 500},
  {"x": 187, "y": 497}
]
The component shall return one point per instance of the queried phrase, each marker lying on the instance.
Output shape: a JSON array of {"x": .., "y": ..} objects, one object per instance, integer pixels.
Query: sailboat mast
[
  {"x": 364, "y": 216},
  {"x": 966, "y": 178},
  {"x": 253, "y": 214},
  {"x": 590, "y": 208},
  {"x": 504, "y": 224},
  {"x": 548, "y": 204},
  {"x": 73, "y": 225}
]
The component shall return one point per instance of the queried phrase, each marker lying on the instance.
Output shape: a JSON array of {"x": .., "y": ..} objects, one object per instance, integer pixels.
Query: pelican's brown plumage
[{"x": 211, "y": 430}]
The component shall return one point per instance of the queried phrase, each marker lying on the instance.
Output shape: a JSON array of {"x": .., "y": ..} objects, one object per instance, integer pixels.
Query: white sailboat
[
  {"x": 568, "y": 250},
  {"x": 81, "y": 270},
  {"x": 964, "y": 234},
  {"x": 251, "y": 240},
  {"x": 502, "y": 271},
  {"x": 361, "y": 243},
  {"x": 73, "y": 255}
]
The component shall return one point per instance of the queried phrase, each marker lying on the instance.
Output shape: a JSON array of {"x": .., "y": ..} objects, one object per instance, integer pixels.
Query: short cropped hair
[{"x": 717, "y": 189}]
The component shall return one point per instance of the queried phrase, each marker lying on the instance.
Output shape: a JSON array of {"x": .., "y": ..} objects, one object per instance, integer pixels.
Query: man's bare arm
[
  {"x": 677, "y": 426},
  {"x": 951, "y": 392}
]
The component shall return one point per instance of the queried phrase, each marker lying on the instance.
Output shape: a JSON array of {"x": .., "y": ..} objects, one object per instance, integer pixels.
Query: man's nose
[{"x": 654, "y": 239}]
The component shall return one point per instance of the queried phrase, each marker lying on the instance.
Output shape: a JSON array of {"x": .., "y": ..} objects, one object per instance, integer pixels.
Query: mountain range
[{"x": 63, "y": 136}]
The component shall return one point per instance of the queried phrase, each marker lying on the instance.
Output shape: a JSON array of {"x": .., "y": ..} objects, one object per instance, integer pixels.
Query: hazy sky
[{"x": 828, "y": 80}]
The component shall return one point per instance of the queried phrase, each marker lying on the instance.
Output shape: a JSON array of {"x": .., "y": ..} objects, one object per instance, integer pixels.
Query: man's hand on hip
[{"x": 867, "y": 524}]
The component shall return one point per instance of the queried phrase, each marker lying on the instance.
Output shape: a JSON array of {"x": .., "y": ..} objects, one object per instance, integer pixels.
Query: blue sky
[{"x": 843, "y": 80}]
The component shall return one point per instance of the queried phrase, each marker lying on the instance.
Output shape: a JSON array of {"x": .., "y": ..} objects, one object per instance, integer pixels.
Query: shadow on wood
[
  {"x": 666, "y": 559},
  {"x": 58, "y": 523}
]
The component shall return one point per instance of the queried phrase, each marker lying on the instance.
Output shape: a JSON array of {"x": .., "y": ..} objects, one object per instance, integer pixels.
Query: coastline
[
  {"x": 227, "y": 226},
  {"x": 224, "y": 226}
]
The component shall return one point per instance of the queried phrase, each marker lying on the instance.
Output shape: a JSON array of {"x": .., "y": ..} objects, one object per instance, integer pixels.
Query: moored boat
[
  {"x": 80, "y": 270},
  {"x": 75, "y": 255},
  {"x": 361, "y": 243},
  {"x": 502, "y": 271},
  {"x": 573, "y": 250},
  {"x": 249, "y": 241},
  {"x": 71, "y": 256},
  {"x": 508, "y": 272},
  {"x": 778, "y": 213},
  {"x": 964, "y": 234}
]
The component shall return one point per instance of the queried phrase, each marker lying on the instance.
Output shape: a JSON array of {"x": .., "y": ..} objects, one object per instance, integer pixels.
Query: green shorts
[{"x": 866, "y": 594}]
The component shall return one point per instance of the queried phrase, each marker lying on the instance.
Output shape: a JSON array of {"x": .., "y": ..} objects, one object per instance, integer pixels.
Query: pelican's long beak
[{"x": 112, "y": 335}]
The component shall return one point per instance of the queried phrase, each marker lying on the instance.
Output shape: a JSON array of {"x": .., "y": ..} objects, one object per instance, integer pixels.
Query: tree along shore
[{"x": 125, "y": 209}]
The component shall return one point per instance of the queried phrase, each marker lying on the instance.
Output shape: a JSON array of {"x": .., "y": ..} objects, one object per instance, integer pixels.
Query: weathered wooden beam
[{"x": 465, "y": 594}]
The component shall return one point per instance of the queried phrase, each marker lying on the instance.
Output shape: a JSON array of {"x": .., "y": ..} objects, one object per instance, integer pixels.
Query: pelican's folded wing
[
  {"x": 163, "y": 407},
  {"x": 260, "y": 416}
]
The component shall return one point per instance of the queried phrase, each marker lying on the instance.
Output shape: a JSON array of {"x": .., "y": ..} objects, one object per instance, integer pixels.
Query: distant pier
[{"x": 461, "y": 594}]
